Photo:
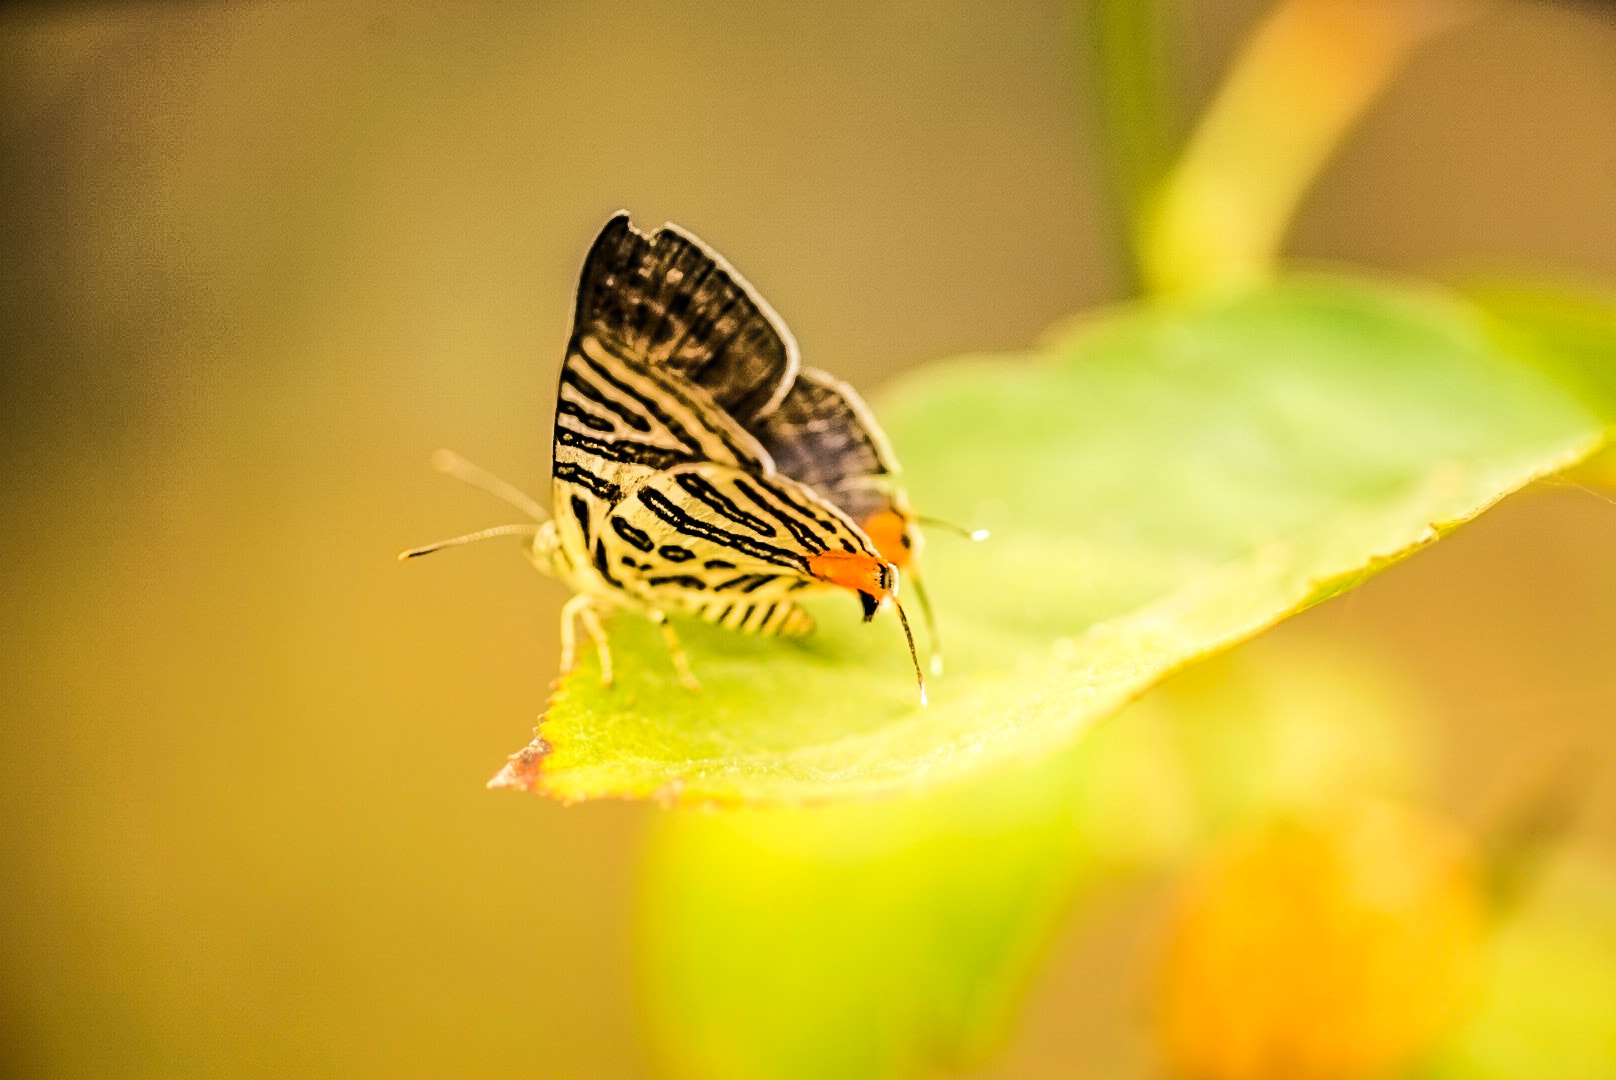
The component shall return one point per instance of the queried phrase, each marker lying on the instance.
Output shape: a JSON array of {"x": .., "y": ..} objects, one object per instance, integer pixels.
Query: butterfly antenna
[
  {"x": 926, "y": 616},
  {"x": 452, "y": 464},
  {"x": 914, "y": 657},
  {"x": 525, "y": 528},
  {"x": 949, "y": 526}
]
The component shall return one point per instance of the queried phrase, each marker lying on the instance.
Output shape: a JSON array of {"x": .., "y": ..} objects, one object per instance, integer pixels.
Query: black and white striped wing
[
  {"x": 619, "y": 424},
  {"x": 731, "y": 546},
  {"x": 667, "y": 301}
]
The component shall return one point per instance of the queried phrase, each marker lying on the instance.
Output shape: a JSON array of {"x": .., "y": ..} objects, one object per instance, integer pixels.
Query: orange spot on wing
[
  {"x": 889, "y": 532},
  {"x": 851, "y": 570}
]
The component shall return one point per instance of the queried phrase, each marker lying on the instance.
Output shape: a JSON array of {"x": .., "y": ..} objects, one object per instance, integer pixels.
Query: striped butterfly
[{"x": 697, "y": 466}]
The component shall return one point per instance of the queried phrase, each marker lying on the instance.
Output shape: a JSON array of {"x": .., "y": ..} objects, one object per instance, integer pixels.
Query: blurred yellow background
[{"x": 260, "y": 260}]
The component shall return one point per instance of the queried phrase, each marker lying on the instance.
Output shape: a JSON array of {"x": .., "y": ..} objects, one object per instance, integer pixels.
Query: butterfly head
[
  {"x": 876, "y": 582},
  {"x": 545, "y": 552},
  {"x": 874, "y": 579}
]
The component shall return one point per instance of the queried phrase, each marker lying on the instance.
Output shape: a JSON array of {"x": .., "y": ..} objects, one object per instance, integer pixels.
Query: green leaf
[
  {"x": 1570, "y": 333},
  {"x": 1161, "y": 485},
  {"x": 890, "y": 938}
]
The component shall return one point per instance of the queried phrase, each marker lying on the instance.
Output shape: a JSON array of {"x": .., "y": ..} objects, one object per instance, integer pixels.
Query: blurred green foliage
[
  {"x": 895, "y": 938},
  {"x": 1570, "y": 332}
]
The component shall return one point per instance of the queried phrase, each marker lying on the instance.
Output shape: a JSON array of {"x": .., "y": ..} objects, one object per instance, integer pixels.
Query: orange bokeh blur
[{"x": 1328, "y": 951}]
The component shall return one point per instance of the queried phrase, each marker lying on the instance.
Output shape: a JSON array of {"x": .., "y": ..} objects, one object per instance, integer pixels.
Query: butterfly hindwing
[
  {"x": 823, "y": 435},
  {"x": 771, "y": 618}
]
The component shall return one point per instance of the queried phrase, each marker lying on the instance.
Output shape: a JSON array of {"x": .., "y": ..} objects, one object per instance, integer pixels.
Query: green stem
[
  {"x": 1133, "y": 89},
  {"x": 1308, "y": 74}
]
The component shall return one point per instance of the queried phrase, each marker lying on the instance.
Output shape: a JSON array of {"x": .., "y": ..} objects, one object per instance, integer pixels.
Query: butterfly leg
[
  {"x": 582, "y": 608},
  {"x": 569, "y": 632},
  {"x": 931, "y": 624},
  {"x": 681, "y": 663},
  {"x": 591, "y": 622}
]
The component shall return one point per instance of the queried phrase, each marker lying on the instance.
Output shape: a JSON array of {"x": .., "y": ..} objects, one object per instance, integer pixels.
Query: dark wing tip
[
  {"x": 669, "y": 300},
  {"x": 613, "y": 251}
]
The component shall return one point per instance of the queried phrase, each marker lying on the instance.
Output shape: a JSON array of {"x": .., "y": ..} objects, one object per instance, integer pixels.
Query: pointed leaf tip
[{"x": 521, "y": 771}]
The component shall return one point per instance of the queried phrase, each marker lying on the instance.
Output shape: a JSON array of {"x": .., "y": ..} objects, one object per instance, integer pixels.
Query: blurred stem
[
  {"x": 1134, "y": 91},
  {"x": 1310, "y": 71},
  {"x": 1517, "y": 845}
]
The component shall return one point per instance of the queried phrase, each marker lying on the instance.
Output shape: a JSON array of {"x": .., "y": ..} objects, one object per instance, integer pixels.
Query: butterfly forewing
[
  {"x": 669, "y": 302},
  {"x": 729, "y": 545},
  {"x": 619, "y": 424}
]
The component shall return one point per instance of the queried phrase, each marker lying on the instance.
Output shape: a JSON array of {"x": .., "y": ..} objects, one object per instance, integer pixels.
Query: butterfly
[{"x": 698, "y": 467}]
